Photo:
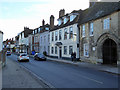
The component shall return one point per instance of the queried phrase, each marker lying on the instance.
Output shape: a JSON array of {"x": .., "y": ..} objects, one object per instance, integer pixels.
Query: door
[
  {"x": 60, "y": 52},
  {"x": 109, "y": 52}
]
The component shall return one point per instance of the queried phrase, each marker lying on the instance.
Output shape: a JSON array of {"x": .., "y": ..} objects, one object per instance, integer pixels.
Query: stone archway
[
  {"x": 109, "y": 52},
  {"x": 99, "y": 46}
]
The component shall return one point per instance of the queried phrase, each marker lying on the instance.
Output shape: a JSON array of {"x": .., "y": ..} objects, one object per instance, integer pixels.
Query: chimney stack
[
  {"x": 51, "y": 22},
  {"x": 61, "y": 13},
  {"x": 43, "y": 22}
]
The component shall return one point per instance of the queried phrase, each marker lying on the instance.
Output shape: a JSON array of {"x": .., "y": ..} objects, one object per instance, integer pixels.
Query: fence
[{"x": 3, "y": 58}]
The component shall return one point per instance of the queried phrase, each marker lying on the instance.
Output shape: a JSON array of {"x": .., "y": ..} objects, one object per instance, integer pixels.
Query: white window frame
[
  {"x": 56, "y": 35},
  {"x": 70, "y": 50},
  {"x": 86, "y": 49},
  {"x": 65, "y": 53},
  {"x": 71, "y": 28},
  {"x": 91, "y": 28},
  {"x": 60, "y": 34},
  {"x": 52, "y": 36},
  {"x": 106, "y": 23},
  {"x": 65, "y": 33},
  {"x": 55, "y": 49}
]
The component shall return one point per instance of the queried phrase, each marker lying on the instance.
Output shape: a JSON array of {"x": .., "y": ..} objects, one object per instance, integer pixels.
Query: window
[
  {"x": 65, "y": 20},
  {"x": 52, "y": 50},
  {"x": 70, "y": 49},
  {"x": 59, "y": 22},
  {"x": 86, "y": 50},
  {"x": 106, "y": 23},
  {"x": 44, "y": 48},
  {"x": 65, "y": 34},
  {"x": 48, "y": 38},
  {"x": 33, "y": 32},
  {"x": 72, "y": 17},
  {"x": 38, "y": 29},
  {"x": 52, "y": 36},
  {"x": 60, "y": 35},
  {"x": 55, "y": 50},
  {"x": 83, "y": 31},
  {"x": 56, "y": 35},
  {"x": 44, "y": 38},
  {"x": 46, "y": 28},
  {"x": 91, "y": 29},
  {"x": 71, "y": 32},
  {"x": 65, "y": 50}
]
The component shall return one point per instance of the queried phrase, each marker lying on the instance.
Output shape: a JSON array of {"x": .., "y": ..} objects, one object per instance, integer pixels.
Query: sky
[{"x": 15, "y": 14}]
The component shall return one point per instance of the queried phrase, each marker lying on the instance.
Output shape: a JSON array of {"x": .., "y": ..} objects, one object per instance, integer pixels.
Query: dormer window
[
  {"x": 35, "y": 31},
  {"x": 72, "y": 17},
  {"x": 46, "y": 28},
  {"x": 65, "y": 20},
  {"x": 38, "y": 29},
  {"x": 59, "y": 22}
]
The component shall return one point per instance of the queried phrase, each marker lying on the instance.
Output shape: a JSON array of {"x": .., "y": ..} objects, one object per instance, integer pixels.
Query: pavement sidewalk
[
  {"x": 104, "y": 68},
  {"x": 15, "y": 76}
]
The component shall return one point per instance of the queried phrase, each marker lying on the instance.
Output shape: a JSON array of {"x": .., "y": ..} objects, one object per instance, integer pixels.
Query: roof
[
  {"x": 68, "y": 22},
  {"x": 1, "y": 32},
  {"x": 100, "y": 9}
]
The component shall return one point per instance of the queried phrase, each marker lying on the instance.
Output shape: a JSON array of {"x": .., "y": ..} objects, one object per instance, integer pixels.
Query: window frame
[
  {"x": 91, "y": 28},
  {"x": 83, "y": 30},
  {"x": 65, "y": 33},
  {"x": 86, "y": 49},
  {"x": 70, "y": 52},
  {"x": 70, "y": 34},
  {"x": 65, "y": 50}
]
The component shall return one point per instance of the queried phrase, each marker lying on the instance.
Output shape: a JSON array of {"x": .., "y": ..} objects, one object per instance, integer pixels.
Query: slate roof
[
  {"x": 68, "y": 22},
  {"x": 100, "y": 9}
]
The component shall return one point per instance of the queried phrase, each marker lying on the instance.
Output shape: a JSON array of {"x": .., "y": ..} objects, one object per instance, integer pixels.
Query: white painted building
[
  {"x": 64, "y": 38},
  {"x": 1, "y": 40}
]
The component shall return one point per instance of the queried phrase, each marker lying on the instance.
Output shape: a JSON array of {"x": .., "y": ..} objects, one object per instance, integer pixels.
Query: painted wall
[{"x": 68, "y": 42}]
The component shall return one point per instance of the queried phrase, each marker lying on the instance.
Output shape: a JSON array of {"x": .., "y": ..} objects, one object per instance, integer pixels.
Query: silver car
[{"x": 23, "y": 57}]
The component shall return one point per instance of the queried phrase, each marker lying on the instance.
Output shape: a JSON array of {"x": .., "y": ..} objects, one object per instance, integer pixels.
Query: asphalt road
[{"x": 62, "y": 75}]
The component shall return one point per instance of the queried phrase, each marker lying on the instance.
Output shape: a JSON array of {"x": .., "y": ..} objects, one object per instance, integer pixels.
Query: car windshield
[
  {"x": 24, "y": 55},
  {"x": 41, "y": 55}
]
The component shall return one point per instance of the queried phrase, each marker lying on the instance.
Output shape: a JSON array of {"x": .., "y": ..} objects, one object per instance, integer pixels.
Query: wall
[
  {"x": 100, "y": 35},
  {"x": 68, "y": 42},
  {"x": 1, "y": 41}
]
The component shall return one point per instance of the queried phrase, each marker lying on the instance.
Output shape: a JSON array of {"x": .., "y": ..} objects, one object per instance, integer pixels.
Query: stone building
[{"x": 100, "y": 33}]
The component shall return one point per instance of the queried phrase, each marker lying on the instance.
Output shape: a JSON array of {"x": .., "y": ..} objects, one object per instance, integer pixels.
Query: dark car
[
  {"x": 8, "y": 53},
  {"x": 40, "y": 57}
]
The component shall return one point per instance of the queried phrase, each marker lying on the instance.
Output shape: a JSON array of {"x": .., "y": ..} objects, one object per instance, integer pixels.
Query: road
[{"x": 62, "y": 75}]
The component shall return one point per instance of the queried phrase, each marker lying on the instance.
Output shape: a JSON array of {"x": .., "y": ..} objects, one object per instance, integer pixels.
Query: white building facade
[{"x": 64, "y": 38}]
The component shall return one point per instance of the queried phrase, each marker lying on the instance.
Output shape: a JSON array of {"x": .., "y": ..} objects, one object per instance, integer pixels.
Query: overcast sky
[{"x": 15, "y": 14}]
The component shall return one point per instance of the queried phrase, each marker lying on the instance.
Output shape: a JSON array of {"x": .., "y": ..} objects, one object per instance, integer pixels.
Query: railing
[{"x": 3, "y": 58}]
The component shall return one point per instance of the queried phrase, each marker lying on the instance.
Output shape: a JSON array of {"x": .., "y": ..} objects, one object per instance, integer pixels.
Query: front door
[
  {"x": 109, "y": 52},
  {"x": 60, "y": 52}
]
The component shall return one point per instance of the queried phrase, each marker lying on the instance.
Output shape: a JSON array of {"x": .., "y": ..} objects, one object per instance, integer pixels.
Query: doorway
[
  {"x": 60, "y": 52},
  {"x": 109, "y": 51}
]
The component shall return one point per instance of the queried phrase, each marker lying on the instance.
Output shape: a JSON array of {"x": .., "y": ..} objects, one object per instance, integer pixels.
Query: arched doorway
[{"x": 109, "y": 51}]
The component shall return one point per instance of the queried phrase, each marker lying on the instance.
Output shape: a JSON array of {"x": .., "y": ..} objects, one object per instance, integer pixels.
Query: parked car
[
  {"x": 23, "y": 57},
  {"x": 40, "y": 57},
  {"x": 8, "y": 53}
]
